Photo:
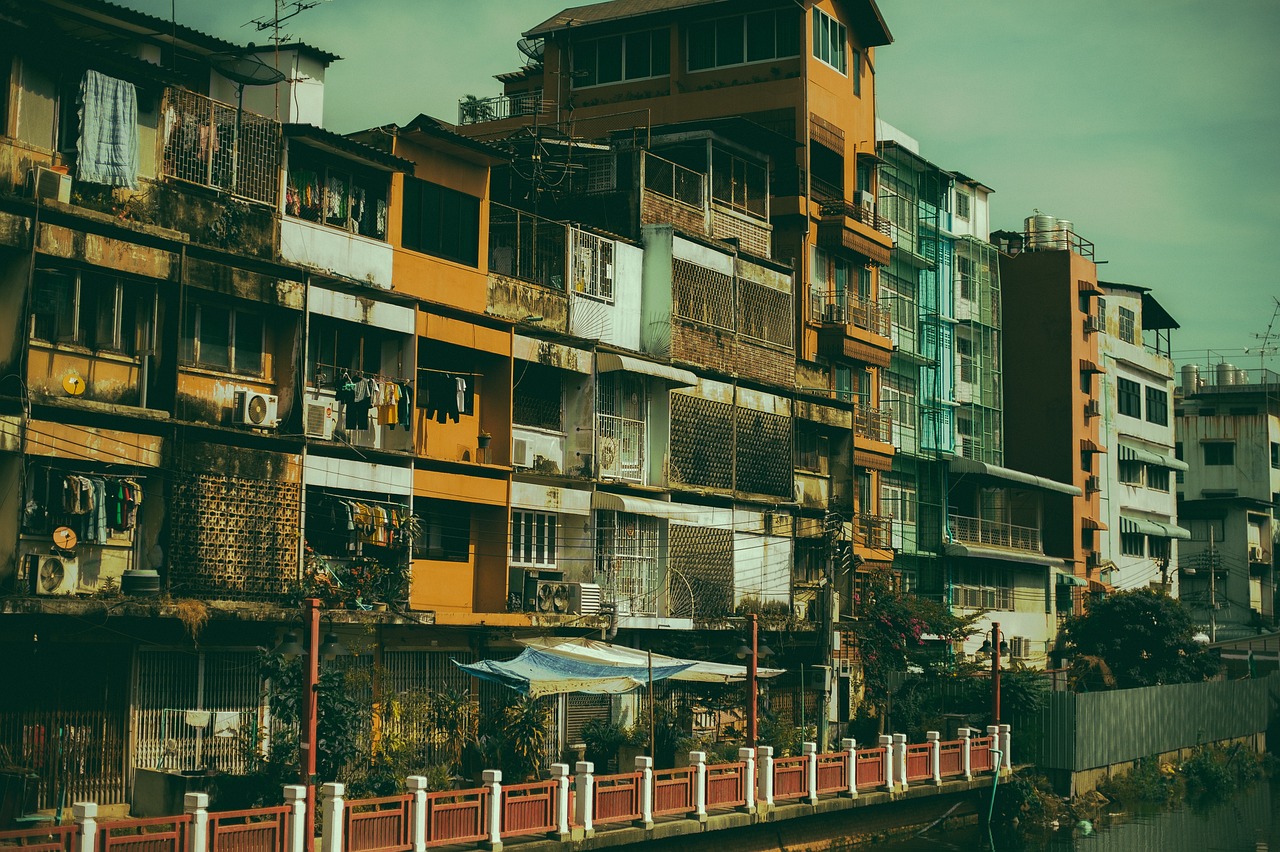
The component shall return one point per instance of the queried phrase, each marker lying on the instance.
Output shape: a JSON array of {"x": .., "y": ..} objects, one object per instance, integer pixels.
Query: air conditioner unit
[
  {"x": 555, "y": 597},
  {"x": 54, "y": 574},
  {"x": 1257, "y": 554},
  {"x": 520, "y": 455},
  {"x": 1091, "y": 324},
  {"x": 51, "y": 184},
  {"x": 256, "y": 409},
  {"x": 845, "y": 667},
  {"x": 1092, "y": 408},
  {"x": 1092, "y": 484},
  {"x": 320, "y": 420},
  {"x": 866, "y": 200}
]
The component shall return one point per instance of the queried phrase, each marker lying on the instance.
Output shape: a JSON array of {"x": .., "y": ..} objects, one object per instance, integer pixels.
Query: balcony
[
  {"x": 528, "y": 247},
  {"x": 871, "y": 422},
  {"x": 620, "y": 448},
  {"x": 473, "y": 110},
  {"x": 872, "y": 531},
  {"x": 840, "y": 308},
  {"x": 969, "y": 530},
  {"x": 212, "y": 144},
  {"x": 859, "y": 213}
]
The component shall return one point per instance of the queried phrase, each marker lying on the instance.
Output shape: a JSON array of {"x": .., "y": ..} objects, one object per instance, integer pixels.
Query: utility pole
[
  {"x": 826, "y": 636},
  {"x": 1213, "y": 590}
]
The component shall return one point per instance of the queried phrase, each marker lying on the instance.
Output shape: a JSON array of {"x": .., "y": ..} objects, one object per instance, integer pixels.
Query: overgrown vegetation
[{"x": 1210, "y": 775}]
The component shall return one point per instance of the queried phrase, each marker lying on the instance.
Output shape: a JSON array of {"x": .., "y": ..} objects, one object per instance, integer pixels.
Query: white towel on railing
[
  {"x": 108, "y": 151},
  {"x": 226, "y": 723}
]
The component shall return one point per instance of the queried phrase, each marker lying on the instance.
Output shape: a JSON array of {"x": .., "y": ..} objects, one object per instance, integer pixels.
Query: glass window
[
  {"x": 446, "y": 531},
  {"x": 1129, "y": 398},
  {"x": 1157, "y": 478},
  {"x": 1157, "y": 406},
  {"x": 829, "y": 40},
  {"x": 636, "y": 56},
  {"x": 89, "y": 309},
  {"x": 1127, "y": 331},
  {"x": 1130, "y": 472},
  {"x": 1133, "y": 544},
  {"x": 533, "y": 538},
  {"x": 220, "y": 338},
  {"x": 1275, "y": 455},
  {"x": 441, "y": 222},
  {"x": 1220, "y": 453}
]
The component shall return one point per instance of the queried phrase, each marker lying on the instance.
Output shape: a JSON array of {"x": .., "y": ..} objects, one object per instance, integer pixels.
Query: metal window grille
[
  {"x": 525, "y": 246},
  {"x": 765, "y": 313},
  {"x": 702, "y": 295},
  {"x": 212, "y": 144},
  {"x": 627, "y": 561},
  {"x": 592, "y": 265}
]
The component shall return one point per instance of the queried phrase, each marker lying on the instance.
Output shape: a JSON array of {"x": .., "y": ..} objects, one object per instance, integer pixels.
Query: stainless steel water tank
[
  {"x": 1063, "y": 234},
  {"x": 1226, "y": 374},
  {"x": 1039, "y": 228},
  {"x": 1190, "y": 378}
]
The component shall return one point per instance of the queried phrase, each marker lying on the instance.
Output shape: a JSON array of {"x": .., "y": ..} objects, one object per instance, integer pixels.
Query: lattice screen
[
  {"x": 703, "y": 557},
  {"x": 233, "y": 538},
  {"x": 702, "y": 295},
  {"x": 761, "y": 468},
  {"x": 701, "y": 442},
  {"x": 764, "y": 313}
]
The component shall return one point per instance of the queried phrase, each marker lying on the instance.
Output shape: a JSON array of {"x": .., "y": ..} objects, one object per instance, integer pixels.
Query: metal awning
[
  {"x": 979, "y": 551},
  {"x": 608, "y": 362},
  {"x": 1132, "y": 452},
  {"x": 963, "y": 465},
  {"x": 1066, "y": 579},
  {"x": 680, "y": 512},
  {"x": 1160, "y": 529}
]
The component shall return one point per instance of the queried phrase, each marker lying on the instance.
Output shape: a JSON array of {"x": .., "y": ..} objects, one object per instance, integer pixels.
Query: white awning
[
  {"x": 550, "y": 498},
  {"x": 962, "y": 465},
  {"x": 978, "y": 551},
  {"x": 592, "y": 651},
  {"x": 682, "y": 513},
  {"x": 1160, "y": 529},
  {"x": 608, "y": 362},
  {"x": 1132, "y": 452}
]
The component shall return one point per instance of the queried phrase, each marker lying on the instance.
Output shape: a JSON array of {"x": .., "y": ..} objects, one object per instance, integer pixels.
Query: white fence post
[
  {"x": 850, "y": 747},
  {"x": 1006, "y": 741},
  {"x": 900, "y": 749},
  {"x": 492, "y": 778},
  {"x": 85, "y": 815},
  {"x": 331, "y": 839},
  {"x": 582, "y": 812},
  {"x": 416, "y": 787},
  {"x": 295, "y": 797},
  {"x": 935, "y": 755},
  {"x": 966, "y": 740},
  {"x": 886, "y": 742},
  {"x": 810, "y": 752},
  {"x": 764, "y": 771},
  {"x": 748, "y": 758},
  {"x": 197, "y": 806},
  {"x": 698, "y": 760},
  {"x": 644, "y": 765},
  {"x": 560, "y": 772}
]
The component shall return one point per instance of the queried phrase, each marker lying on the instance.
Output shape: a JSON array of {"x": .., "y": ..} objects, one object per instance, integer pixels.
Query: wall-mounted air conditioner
[
  {"x": 1091, "y": 324},
  {"x": 1257, "y": 554},
  {"x": 556, "y": 597},
  {"x": 1092, "y": 484},
  {"x": 520, "y": 455},
  {"x": 1092, "y": 408},
  {"x": 866, "y": 200},
  {"x": 53, "y": 574},
  {"x": 258, "y": 410},
  {"x": 51, "y": 184},
  {"x": 320, "y": 420}
]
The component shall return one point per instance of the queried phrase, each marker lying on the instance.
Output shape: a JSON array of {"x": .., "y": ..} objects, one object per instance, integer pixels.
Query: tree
[{"x": 1141, "y": 638}]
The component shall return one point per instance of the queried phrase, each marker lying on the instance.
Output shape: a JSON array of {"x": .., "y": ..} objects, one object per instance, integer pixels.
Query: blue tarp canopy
[{"x": 536, "y": 673}]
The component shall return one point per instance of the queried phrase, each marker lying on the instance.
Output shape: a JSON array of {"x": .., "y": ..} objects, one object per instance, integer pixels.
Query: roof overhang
[
  {"x": 1130, "y": 451},
  {"x": 1160, "y": 529},
  {"x": 679, "y": 512},
  {"x": 609, "y": 362},
  {"x": 343, "y": 146},
  {"x": 978, "y": 551},
  {"x": 969, "y": 466}
]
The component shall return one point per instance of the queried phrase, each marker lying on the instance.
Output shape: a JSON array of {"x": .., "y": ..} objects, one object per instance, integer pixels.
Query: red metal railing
[
  {"x": 951, "y": 758},
  {"x": 673, "y": 791},
  {"x": 50, "y": 838},
  {"x": 378, "y": 825},
  {"x": 919, "y": 762},
  {"x": 155, "y": 834},
  {"x": 459, "y": 816},
  {"x": 726, "y": 785},
  {"x": 870, "y": 768},
  {"x": 529, "y": 808},
  {"x": 256, "y": 830},
  {"x": 789, "y": 780},
  {"x": 833, "y": 772},
  {"x": 616, "y": 798},
  {"x": 980, "y": 759}
]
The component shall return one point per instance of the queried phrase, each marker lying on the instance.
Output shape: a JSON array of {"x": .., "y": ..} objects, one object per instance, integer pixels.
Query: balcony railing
[
  {"x": 472, "y": 110},
  {"x": 621, "y": 448},
  {"x": 871, "y": 422},
  {"x": 213, "y": 144},
  {"x": 1054, "y": 239},
  {"x": 873, "y": 531},
  {"x": 525, "y": 246},
  {"x": 674, "y": 181},
  {"x": 865, "y": 215},
  {"x": 995, "y": 533},
  {"x": 843, "y": 309}
]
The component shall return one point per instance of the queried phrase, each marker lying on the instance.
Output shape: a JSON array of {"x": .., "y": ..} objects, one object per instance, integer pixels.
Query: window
[
  {"x": 535, "y": 399},
  {"x": 829, "y": 38},
  {"x": 634, "y": 56},
  {"x": 90, "y": 309},
  {"x": 976, "y": 587},
  {"x": 1220, "y": 453},
  {"x": 1275, "y": 504},
  {"x": 222, "y": 338},
  {"x": 1157, "y": 406},
  {"x": 968, "y": 374},
  {"x": 811, "y": 449},
  {"x": 963, "y": 200},
  {"x": 1127, "y": 331},
  {"x": 1157, "y": 478},
  {"x": 758, "y": 37},
  {"x": 857, "y": 72},
  {"x": 965, "y": 272},
  {"x": 533, "y": 538},
  {"x": 446, "y": 531},
  {"x": 740, "y": 183},
  {"x": 339, "y": 194},
  {"x": 1133, "y": 544},
  {"x": 1102, "y": 312},
  {"x": 1275, "y": 455},
  {"x": 898, "y": 497},
  {"x": 1130, "y": 472},
  {"x": 441, "y": 222},
  {"x": 1129, "y": 398},
  {"x": 335, "y": 345},
  {"x": 627, "y": 548}
]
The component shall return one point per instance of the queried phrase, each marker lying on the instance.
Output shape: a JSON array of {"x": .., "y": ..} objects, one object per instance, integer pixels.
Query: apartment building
[{"x": 1227, "y": 422}]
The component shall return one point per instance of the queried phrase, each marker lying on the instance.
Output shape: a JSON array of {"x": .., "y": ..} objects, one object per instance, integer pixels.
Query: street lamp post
[
  {"x": 753, "y": 653},
  {"x": 994, "y": 644}
]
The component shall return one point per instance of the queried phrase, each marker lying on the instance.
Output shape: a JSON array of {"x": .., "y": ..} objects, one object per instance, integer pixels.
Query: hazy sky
[{"x": 1153, "y": 126}]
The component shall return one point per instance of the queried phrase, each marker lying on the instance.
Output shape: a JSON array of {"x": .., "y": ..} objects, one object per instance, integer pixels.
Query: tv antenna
[{"x": 1267, "y": 342}]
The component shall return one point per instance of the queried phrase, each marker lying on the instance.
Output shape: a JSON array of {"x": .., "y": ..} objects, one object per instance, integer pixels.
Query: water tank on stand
[
  {"x": 1190, "y": 378},
  {"x": 1226, "y": 374},
  {"x": 1040, "y": 231},
  {"x": 1065, "y": 228}
]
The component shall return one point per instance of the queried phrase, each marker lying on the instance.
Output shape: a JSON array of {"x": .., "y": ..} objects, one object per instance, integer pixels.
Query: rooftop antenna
[
  {"x": 283, "y": 11},
  {"x": 1267, "y": 345}
]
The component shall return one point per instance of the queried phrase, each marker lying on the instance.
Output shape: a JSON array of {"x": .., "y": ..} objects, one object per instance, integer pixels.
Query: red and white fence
[{"x": 417, "y": 820}]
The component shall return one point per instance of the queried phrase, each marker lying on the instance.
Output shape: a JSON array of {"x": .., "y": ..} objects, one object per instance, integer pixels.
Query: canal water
[{"x": 1248, "y": 822}]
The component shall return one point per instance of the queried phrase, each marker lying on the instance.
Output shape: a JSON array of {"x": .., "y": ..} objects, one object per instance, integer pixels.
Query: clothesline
[
  {"x": 364, "y": 373},
  {"x": 450, "y": 372},
  {"x": 327, "y": 493}
]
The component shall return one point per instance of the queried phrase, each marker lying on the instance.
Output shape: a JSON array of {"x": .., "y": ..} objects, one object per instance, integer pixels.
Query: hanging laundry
[{"x": 405, "y": 414}]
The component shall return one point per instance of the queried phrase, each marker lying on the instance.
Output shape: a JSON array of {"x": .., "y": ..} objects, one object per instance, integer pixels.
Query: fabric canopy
[
  {"x": 589, "y": 650},
  {"x": 536, "y": 673}
]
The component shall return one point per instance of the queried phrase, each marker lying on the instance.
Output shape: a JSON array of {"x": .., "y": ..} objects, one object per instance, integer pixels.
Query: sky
[{"x": 1153, "y": 126}]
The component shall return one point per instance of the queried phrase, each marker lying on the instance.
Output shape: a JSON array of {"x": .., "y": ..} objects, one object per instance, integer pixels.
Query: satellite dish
[
  {"x": 245, "y": 69},
  {"x": 532, "y": 48}
]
